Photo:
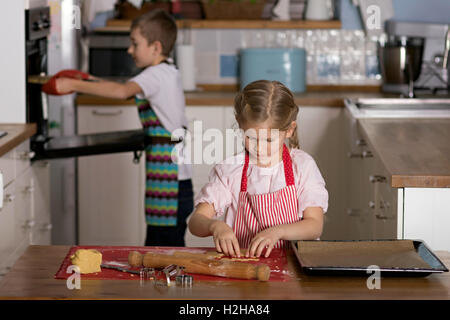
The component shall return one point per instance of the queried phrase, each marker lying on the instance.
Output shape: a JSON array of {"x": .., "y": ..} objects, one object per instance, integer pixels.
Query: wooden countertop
[
  {"x": 123, "y": 25},
  {"x": 313, "y": 97},
  {"x": 17, "y": 133},
  {"x": 32, "y": 278},
  {"x": 416, "y": 152}
]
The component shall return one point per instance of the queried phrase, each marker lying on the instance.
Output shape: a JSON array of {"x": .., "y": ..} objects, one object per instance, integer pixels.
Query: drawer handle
[
  {"x": 29, "y": 189},
  {"x": 47, "y": 227},
  {"x": 381, "y": 217},
  {"x": 377, "y": 178},
  {"x": 29, "y": 224},
  {"x": 371, "y": 204},
  {"x": 9, "y": 197},
  {"x": 361, "y": 142},
  {"x": 364, "y": 154},
  {"x": 27, "y": 155},
  {"x": 107, "y": 113}
]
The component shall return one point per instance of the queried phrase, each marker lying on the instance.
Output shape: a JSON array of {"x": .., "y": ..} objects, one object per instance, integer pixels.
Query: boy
[{"x": 160, "y": 99}]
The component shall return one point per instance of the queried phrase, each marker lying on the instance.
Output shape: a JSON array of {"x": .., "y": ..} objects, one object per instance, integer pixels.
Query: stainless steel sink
[
  {"x": 399, "y": 107},
  {"x": 403, "y": 104}
]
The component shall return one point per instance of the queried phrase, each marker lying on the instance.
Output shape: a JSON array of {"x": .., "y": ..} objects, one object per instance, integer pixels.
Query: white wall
[{"x": 12, "y": 62}]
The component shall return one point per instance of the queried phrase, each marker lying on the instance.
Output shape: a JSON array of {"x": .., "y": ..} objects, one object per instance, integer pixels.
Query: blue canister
[{"x": 286, "y": 65}]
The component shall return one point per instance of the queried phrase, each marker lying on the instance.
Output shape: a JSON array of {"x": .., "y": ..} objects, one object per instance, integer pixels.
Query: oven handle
[{"x": 107, "y": 113}]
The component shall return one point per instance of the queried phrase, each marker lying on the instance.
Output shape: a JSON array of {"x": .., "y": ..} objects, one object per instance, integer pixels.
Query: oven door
[{"x": 90, "y": 144}]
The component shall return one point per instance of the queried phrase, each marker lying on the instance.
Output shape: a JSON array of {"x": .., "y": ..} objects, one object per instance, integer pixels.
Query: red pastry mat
[{"x": 119, "y": 255}]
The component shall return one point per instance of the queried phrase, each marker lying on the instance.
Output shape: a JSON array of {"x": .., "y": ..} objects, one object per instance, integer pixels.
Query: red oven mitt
[{"x": 50, "y": 86}]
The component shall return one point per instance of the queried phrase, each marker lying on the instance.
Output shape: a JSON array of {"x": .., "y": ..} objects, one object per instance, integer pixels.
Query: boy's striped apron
[
  {"x": 161, "y": 191},
  {"x": 258, "y": 212}
]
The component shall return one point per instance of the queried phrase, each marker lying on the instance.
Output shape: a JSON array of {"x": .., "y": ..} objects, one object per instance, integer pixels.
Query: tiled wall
[{"x": 333, "y": 56}]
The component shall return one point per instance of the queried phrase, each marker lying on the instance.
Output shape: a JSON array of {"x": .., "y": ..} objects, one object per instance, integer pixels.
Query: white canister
[
  {"x": 185, "y": 57},
  {"x": 319, "y": 10}
]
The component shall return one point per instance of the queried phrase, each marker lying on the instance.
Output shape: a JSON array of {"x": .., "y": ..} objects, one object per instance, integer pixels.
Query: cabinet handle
[
  {"x": 371, "y": 204},
  {"x": 47, "y": 227},
  {"x": 29, "y": 224},
  {"x": 364, "y": 154},
  {"x": 107, "y": 113},
  {"x": 377, "y": 178},
  {"x": 381, "y": 217},
  {"x": 27, "y": 155},
  {"x": 9, "y": 197},
  {"x": 29, "y": 189},
  {"x": 354, "y": 212},
  {"x": 361, "y": 142}
]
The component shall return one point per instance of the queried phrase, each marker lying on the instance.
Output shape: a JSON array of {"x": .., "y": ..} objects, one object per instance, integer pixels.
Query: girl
[{"x": 272, "y": 194}]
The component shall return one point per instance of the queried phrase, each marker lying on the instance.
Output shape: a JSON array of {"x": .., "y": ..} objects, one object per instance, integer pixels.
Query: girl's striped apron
[
  {"x": 161, "y": 191},
  {"x": 258, "y": 212}
]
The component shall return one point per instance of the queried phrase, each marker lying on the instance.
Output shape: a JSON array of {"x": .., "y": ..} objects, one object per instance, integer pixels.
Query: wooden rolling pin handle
[{"x": 231, "y": 269}]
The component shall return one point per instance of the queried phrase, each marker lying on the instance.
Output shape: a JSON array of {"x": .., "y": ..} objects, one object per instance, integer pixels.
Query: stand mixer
[{"x": 414, "y": 57}]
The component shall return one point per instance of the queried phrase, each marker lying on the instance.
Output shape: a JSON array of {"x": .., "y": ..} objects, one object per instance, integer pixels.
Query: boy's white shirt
[{"x": 163, "y": 88}]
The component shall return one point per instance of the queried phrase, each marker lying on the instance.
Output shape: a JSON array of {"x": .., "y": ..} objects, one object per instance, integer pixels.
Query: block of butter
[{"x": 88, "y": 260}]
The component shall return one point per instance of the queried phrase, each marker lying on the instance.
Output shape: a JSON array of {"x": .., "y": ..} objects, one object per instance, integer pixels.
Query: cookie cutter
[
  {"x": 184, "y": 280},
  {"x": 172, "y": 271},
  {"x": 146, "y": 274}
]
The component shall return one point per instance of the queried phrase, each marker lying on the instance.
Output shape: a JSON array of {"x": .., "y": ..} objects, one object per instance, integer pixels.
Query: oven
[{"x": 43, "y": 145}]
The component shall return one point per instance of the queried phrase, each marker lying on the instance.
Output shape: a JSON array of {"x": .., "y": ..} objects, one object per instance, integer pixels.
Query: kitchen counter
[
  {"x": 416, "y": 152},
  {"x": 32, "y": 278},
  {"x": 316, "y": 97},
  {"x": 17, "y": 133}
]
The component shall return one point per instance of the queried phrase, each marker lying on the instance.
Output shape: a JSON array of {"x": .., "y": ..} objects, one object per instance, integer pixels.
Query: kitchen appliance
[
  {"x": 51, "y": 45},
  {"x": 412, "y": 57},
  {"x": 286, "y": 65},
  {"x": 107, "y": 55},
  {"x": 45, "y": 146}
]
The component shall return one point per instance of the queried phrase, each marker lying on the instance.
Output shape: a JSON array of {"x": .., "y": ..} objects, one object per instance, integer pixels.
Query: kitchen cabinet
[
  {"x": 111, "y": 187},
  {"x": 371, "y": 211},
  {"x": 25, "y": 215}
]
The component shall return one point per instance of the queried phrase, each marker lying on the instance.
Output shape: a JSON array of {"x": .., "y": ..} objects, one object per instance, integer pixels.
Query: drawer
[
  {"x": 23, "y": 157},
  {"x": 7, "y": 244},
  {"x": 23, "y": 215},
  {"x": 8, "y": 167},
  {"x": 95, "y": 119},
  {"x": 41, "y": 231}
]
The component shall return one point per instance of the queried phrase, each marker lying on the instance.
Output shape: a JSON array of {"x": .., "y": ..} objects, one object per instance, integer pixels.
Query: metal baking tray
[{"x": 423, "y": 252}]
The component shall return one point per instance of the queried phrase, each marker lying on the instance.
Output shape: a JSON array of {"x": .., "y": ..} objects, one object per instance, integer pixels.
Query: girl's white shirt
[{"x": 222, "y": 190}]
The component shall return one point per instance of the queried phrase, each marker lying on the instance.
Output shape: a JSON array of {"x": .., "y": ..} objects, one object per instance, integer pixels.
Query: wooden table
[{"x": 32, "y": 278}]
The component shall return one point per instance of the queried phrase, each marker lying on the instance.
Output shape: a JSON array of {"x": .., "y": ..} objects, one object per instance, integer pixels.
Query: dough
[{"x": 88, "y": 260}]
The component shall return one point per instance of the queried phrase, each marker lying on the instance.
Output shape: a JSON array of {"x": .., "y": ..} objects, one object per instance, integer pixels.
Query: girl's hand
[
  {"x": 265, "y": 239},
  {"x": 225, "y": 239}
]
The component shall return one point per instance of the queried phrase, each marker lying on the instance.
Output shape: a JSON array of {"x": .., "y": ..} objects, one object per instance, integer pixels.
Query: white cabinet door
[
  {"x": 427, "y": 216},
  {"x": 110, "y": 187},
  {"x": 41, "y": 232},
  {"x": 7, "y": 229},
  {"x": 320, "y": 132},
  {"x": 205, "y": 124},
  {"x": 23, "y": 211}
]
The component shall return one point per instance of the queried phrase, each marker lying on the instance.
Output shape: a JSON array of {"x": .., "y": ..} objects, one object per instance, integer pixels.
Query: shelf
[{"x": 117, "y": 25}]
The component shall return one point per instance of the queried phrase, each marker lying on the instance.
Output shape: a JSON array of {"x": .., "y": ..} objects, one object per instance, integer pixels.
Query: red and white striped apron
[{"x": 258, "y": 212}]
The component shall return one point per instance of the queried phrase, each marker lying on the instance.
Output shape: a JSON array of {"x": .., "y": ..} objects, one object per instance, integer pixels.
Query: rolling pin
[{"x": 220, "y": 268}]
